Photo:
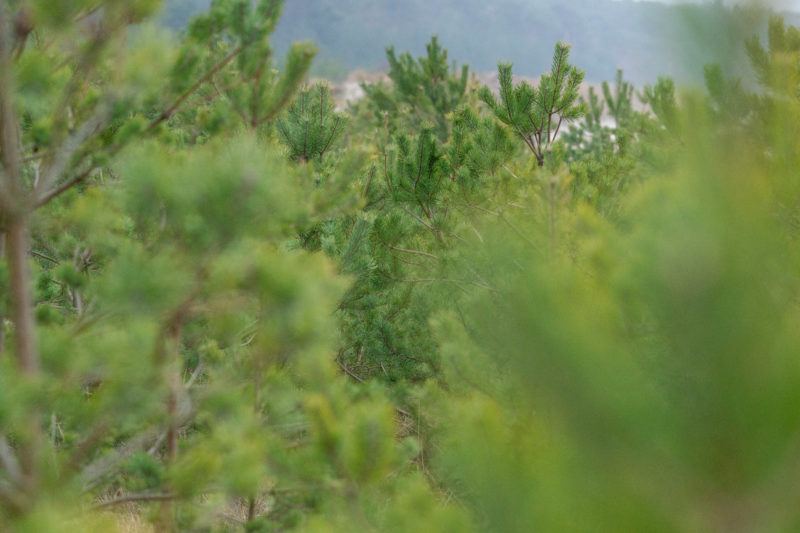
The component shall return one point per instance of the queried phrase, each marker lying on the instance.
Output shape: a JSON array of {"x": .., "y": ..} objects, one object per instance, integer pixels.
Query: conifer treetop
[{"x": 536, "y": 114}]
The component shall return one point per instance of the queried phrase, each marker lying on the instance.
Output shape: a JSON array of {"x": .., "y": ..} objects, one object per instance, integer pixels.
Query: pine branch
[
  {"x": 131, "y": 498},
  {"x": 169, "y": 111},
  {"x": 415, "y": 252},
  {"x": 64, "y": 187},
  {"x": 349, "y": 372}
]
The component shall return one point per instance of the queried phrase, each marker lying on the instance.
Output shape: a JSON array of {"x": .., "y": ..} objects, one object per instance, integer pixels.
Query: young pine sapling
[
  {"x": 311, "y": 125},
  {"x": 536, "y": 114}
]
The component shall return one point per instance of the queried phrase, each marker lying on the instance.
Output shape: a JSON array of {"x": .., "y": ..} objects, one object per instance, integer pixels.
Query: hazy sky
[{"x": 787, "y": 5}]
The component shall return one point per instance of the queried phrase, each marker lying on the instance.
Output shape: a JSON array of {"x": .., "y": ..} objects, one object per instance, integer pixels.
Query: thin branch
[
  {"x": 96, "y": 471},
  {"x": 330, "y": 139},
  {"x": 194, "y": 376},
  {"x": 479, "y": 208},
  {"x": 419, "y": 219},
  {"x": 519, "y": 232},
  {"x": 86, "y": 13},
  {"x": 69, "y": 147},
  {"x": 386, "y": 172},
  {"x": 558, "y": 127},
  {"x": 349, "y": 372},
  {"x": 142, "y": 497},
  {"x": 45, "y": 257},
  {"x": 64, "y": 187},
  {"x": 509, "y": 171},
  {"x": 415, "y": 252},
  {"x": 168, "y": 112}
]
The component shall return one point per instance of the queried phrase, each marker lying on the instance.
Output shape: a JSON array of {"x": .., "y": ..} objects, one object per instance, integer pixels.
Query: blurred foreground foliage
[{"x": 430, "y": 312}]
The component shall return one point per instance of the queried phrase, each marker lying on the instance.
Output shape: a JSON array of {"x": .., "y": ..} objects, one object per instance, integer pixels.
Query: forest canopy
[{"x": 228, "y": 303}]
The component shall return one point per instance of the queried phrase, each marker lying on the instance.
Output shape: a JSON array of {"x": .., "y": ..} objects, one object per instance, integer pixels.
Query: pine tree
[
  {"x": 776, "y": 66},
  {"x": 230, "y": 45},
  {"x": 168, "y": 344},
  {"x": 620, "y": 102},
  {"x": 429, "y": 87},
  {"x": 661, "y": 100},
  {"x": 311, "y": 127},
  {"x": 536, "y": 114}
]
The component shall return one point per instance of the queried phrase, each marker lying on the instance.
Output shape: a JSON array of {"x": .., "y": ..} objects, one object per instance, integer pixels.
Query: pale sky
[{"x": 780, "y": 5}]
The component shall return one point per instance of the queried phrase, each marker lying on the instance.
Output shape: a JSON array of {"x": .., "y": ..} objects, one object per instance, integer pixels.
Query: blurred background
[{"x": 646, "y": 39}]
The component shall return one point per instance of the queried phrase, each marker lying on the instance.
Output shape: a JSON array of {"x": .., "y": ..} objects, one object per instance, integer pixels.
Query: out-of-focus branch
[{"x": 69, "y": 148}]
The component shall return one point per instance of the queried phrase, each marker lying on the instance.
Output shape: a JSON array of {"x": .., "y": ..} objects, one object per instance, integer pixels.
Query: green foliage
[
  {"x": 418, "y": 172},
  {"x": 620, "y": 102},
  {"x": 479, "y": 147},
  {"x": 182, "y": 338},
  {"x": 231, "y": 43},
  {"x": 604, "y": 160},
  {"x": 661, "y": 99},
  {"x": 536, "y": 114},
  {"x": 425, "y": 328},
  {"x": 425, "y": 89},
  {"x": 624, "y": 361},
  {"x": 776, "y": 67},
  {"x": 311, "y": 127}
]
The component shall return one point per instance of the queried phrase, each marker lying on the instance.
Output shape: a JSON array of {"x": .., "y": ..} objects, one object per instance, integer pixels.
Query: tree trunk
[
  {"x": 21, "y": 298},
  {"x": 2, "y": 304},
  {"x": 552, "y": 217},
  {"x": 16, "y": 211},
  {"x": 172, "y": 362}
]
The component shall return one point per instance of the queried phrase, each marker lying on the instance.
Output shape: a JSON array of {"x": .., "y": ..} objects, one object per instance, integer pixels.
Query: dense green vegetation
[{"x": 227, "y": 306}]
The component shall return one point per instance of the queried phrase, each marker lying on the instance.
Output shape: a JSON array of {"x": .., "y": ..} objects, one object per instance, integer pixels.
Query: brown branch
[
  {"x": 419, "y": 219},
  {"x": 415, "y": 252},
  {"x": 349, "y": 372},
  {"x": 558, "y": 127},
  {"x": 130, "y": 498},
  {"x": 17, "y": 222},
  {"x": 64, "y": 187},
  {"x": 404, "y": 412},
  {"x": 2, "y": 312},
  {"x": 45, "y": 257}
]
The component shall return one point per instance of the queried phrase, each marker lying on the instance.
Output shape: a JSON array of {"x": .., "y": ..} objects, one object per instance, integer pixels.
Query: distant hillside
[{"x": 647, "y": 39}]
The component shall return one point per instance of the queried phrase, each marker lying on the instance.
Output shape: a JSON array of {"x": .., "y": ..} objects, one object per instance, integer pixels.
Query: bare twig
[
  {"x": 349, "y": 372},
  {"x": 509, "y": 171},
  {"x": 415, "y": 252},
  {"x": 194, "y": 376},
  {"x": 129, "y": 498},
  {"x": 419, "y": 219}
]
